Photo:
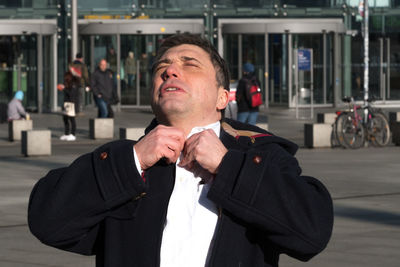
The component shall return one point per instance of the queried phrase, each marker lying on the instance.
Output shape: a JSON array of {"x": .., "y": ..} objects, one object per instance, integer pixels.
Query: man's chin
[{"x": 171, "y": 110}]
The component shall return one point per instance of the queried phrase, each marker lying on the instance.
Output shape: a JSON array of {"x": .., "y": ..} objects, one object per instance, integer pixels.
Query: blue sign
[{"x": 304, "y": 59}]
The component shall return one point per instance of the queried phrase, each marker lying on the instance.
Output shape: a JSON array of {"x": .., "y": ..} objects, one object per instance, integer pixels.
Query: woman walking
[{"x": 71, "y": 93}]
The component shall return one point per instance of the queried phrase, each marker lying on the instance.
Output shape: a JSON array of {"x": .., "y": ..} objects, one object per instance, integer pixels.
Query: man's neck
[{"x": 187, "y": 126}]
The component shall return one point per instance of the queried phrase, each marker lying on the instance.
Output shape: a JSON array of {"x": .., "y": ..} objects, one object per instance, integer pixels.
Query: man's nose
[{"x": 172, "y": 71}]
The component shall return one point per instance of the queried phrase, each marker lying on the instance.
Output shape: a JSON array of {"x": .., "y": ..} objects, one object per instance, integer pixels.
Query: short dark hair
[
  {"x": 79, "y": 55},
  {"x": 221, "y": 68}
]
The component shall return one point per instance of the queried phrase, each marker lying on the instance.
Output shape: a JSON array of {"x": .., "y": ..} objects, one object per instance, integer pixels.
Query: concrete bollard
[
  {"x": 326, "y": 118},
  {"x": 317, "y": 135},
  {"x": 262, "y": 125},
  {"x": 36, "y": 142},
  {"x": 101, "y": 128},
  {"x": 394, "y": 117},
  {"x": 395, "y": 128},
  {"x": 15, "y": 128},
  {"x": 131, "y": 133}
]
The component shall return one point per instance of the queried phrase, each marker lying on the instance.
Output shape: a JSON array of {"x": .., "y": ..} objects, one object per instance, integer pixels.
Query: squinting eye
[{"x": 190, "y": 64}]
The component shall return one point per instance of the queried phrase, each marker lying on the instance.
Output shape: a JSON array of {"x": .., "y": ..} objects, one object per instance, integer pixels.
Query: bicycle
[{"x": 351, "y": 130}]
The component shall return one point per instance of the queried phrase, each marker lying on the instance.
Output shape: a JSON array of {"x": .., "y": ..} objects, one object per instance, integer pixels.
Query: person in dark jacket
[
  {"x": 72, "y": 83},
  {"x": 195, "y": 190},
  {"x": 103, "y": 89},
  {"x": 246, "y": 113},
  {"x": 80, "y": 65}
]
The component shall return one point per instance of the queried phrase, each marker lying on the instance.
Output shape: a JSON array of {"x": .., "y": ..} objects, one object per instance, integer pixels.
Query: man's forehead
[{"x": 185, "y": 50}]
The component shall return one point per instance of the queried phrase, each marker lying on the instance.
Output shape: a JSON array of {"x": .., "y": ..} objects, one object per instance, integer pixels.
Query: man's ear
[{"x": 223, "y": 98}]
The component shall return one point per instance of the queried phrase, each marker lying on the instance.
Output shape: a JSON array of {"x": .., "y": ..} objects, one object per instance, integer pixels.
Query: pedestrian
[
  {"x": 130, "y": 68},
  {"x": 246, "y": 111},
  {"x": 195, "y": 190},
  {"x": 80, "y": 65},
  {"x": 16, "y": 110},
  {"x": 103, "y": 89},
  {"x": 72, "y": 83}
]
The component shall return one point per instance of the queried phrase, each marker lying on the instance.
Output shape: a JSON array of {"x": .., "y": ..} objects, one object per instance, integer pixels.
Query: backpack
[{"x": 255, "y": 96}]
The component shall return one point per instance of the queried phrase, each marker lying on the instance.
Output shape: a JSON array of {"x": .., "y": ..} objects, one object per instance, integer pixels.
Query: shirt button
[
  {"x": 103, "y": 155},
  {"x": 257, "y": 159}
]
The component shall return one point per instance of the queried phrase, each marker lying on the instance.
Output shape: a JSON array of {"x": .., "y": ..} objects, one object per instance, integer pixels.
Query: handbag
[{"x": 69, "y": 109}]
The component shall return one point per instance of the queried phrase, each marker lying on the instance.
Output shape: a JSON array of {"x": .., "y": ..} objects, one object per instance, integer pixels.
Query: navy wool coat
[{"x": 100, "y": 205}]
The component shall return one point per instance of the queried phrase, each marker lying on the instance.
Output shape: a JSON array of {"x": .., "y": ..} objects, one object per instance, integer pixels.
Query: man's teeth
[{"x": 171, "y": 89}]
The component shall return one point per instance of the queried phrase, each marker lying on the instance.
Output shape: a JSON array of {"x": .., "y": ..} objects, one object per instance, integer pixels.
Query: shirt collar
[{"x": 216, "y": 127}]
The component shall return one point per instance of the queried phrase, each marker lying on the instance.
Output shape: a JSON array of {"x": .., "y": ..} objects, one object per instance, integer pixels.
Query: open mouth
[{"x": 171, "y": 89}]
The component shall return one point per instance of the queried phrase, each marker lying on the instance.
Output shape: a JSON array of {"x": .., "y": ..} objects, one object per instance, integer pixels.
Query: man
[
  {"x": 130, "y": 68},
  {"x": 83, "y": 73},
  {"x": 194, "y": 191},
  {"x": 246, "y": 112},
  {"x": 103, "y": 89}
]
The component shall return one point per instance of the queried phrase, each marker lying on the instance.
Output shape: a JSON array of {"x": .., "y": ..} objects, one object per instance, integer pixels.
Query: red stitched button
[
  {"x": 257, "y": 159},
  {"x": 103, "y": 155}
]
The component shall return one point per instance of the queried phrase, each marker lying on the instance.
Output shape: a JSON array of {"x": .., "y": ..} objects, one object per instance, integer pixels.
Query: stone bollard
[
  {"x": 15, "y": 128},
  {"x": 101, "y": 128},
  {"x": 394, "y": 117},
  {"x": 317, "y": 135},
  {"x": 36, "y": 142},
  {"x": 326, "y": 118},
  {"x": 395, "y": 128},
  {"x": 131, "y": 133}
]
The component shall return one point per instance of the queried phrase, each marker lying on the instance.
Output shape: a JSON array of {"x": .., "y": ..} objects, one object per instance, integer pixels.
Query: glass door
[
  {"x": 278, "y": 63},
  {"x": 393, "y": 67},
  {"x": 253, "y": 51},
  {"x": 18, "y": 68},
  {"x": 322, "y": 47}
]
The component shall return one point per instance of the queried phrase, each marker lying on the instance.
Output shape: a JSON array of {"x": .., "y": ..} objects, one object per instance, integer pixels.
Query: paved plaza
[{"x": 364, "y": 183}]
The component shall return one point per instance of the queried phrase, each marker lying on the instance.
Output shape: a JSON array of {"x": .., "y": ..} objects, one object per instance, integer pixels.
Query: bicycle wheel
[
  {"x": 353, "y": 132},
  {"x": 378, "y": 129},
  {"x": 338, "y": 130}
]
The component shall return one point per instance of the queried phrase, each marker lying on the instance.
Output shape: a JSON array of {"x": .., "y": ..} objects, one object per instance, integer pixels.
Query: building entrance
[
  {"x": 270, "y": 44},
  {"x": 24, "y": 66}
]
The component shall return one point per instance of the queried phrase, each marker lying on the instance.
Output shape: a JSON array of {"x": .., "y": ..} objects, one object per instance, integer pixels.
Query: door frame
[
  {"x": 40, "y": 27},
  {"x": 288, "y": 27}
]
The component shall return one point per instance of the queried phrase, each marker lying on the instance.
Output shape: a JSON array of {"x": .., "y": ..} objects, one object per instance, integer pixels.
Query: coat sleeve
[
  {"x": 264, "y": 188},
  {"x": 67, "y": 206},
  {"x": 20, "y": 109},
  {"x": 94, "y": 84}
]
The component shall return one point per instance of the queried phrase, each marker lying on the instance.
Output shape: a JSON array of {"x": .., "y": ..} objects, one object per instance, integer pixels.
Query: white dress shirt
[{"x": 191, "y": 217}]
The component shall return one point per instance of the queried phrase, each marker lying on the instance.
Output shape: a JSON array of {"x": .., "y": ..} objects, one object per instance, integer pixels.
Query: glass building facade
[{"x": 36, "y": 35}]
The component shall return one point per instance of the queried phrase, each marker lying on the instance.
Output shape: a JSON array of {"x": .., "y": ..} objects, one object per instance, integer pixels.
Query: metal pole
[
  {"x": 366, "y": 58},
  {"x": 74, "y": 26},
  {"x": 54, "y": 41},
  {"x": 40, "y": 72},
  {"x": 240, "y": 56},
  {"x": 324, "y": 64},
  {"x": 388, "y": 69},
  {"x": 119, "y": 71},
  {"x": 266, "y": 73}
]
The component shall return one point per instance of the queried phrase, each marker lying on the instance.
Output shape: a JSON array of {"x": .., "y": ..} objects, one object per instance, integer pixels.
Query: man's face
[
  {"x": 185, "y": 86},
  {"x": 103, "y": 65}
]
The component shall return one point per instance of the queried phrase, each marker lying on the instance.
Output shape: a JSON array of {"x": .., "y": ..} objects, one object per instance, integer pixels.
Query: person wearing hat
[
  {"x": 15, "y": 109},
  {"x": 246, "y": 113}
]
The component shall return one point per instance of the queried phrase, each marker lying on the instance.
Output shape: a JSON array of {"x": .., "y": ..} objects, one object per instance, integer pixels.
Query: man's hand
[
  {"x": 162, "y": 142},
  {"x": 206, "y": 149}
]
